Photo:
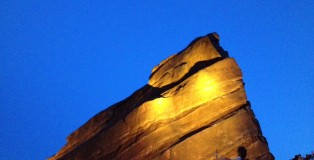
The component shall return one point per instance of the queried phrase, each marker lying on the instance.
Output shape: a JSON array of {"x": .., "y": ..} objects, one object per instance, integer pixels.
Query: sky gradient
[{"x": 62, "y": 62}]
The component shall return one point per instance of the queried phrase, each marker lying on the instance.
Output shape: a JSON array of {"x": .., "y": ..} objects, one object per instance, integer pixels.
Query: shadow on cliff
[
  {"x": 113, "y": 114},
  {"x": 120, "y": 110},
  {"x": 147, "y": 93},
  {"x": 214, "y": 39}
]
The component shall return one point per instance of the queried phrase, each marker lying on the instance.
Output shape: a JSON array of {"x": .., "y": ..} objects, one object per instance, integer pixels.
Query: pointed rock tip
[
  {"x": 213, "y": 36},
  {"x": 204, "y": 48}
]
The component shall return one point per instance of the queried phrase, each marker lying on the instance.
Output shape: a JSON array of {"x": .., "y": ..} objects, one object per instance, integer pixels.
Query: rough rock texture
[{"x": 193, "y": 105}]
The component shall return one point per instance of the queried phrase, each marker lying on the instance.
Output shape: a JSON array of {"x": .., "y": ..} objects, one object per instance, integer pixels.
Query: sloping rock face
[{"x": 193, "y": 107}]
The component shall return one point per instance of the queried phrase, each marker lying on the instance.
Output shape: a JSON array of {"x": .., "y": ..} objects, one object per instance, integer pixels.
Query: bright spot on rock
[
  {"x": 161, "y": 106},
  {"x": 206, "y": 85}
]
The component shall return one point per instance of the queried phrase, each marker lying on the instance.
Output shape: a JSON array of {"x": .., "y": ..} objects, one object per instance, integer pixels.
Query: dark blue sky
[{"x": 61, "y": 62}]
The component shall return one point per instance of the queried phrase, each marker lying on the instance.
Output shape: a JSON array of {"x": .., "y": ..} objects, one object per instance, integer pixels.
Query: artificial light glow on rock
[
  {"x": 206, "y": 85},
  {"x": 193, "y": 105},
  {"x": 160, "y": 108}
]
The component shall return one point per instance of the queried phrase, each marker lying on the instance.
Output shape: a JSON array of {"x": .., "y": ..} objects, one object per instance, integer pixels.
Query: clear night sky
[{"x": 61, "y": 62}]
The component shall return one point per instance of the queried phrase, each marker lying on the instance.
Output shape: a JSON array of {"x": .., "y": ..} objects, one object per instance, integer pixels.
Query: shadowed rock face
[{"x": 193, "y": 105}]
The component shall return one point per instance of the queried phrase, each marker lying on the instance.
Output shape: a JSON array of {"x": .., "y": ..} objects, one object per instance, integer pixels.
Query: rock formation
[{"x": 193, "y": 107}]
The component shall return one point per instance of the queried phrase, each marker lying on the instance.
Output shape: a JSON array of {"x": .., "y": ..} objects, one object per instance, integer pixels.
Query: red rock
[{"x": 193, "y": 105}]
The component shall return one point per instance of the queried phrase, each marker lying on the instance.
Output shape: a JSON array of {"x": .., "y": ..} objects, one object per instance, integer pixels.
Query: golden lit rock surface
[{"x": 193, "y": 105}]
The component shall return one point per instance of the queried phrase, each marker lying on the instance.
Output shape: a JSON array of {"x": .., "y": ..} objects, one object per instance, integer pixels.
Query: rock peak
[
  {"x": 214, "y": 35},
  {"x": 193, "y": 107},
  {"x": 205, "y": 48}
]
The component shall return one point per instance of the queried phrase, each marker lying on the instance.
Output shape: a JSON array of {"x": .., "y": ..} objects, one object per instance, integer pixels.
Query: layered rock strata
[{"x": 193, "y": 107}]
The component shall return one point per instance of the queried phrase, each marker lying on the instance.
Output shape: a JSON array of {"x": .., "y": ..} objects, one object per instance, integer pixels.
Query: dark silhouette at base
[
  {"x": 242, "y": 152},
  {"x": 307, "y": 157}
]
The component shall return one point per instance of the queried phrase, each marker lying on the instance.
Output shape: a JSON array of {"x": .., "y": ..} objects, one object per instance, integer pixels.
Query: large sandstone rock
[{"x": 193, "y": 107}]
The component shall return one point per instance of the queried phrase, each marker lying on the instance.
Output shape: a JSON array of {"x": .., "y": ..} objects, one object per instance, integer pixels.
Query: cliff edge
[{"x": 193, "y": 107}]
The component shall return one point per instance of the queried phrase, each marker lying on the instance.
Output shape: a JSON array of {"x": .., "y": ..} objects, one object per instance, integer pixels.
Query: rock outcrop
[{"x": 193, "y": 107}]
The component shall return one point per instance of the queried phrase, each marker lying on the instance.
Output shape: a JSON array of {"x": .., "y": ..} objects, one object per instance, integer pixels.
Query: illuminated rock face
[{"x": 193, "y": 105}]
